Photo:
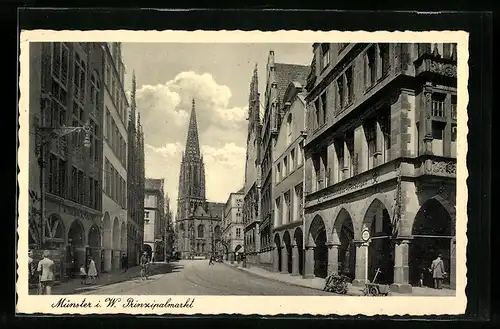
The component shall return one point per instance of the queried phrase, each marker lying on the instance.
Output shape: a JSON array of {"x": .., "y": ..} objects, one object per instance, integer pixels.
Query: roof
[
  {"x": 154, "y": 184},
  {"x": 242, "y": 190},
  {"x": 287, "y": 73},
  {"x": 200, "y": 212},
  {"x": 215, "y": 208}
]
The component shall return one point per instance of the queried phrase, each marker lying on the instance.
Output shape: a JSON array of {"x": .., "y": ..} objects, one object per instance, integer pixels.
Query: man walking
[
  {"x": 144, "y": 266},
  {"x": 211, "y": 261},
  {"x": 46, "y": 274},
  {"x": 438, "y": 272},
  {"x": 124, "y": 262}
]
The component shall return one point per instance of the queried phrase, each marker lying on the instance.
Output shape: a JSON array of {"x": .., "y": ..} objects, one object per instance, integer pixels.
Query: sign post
[{"x": 365, "y": 236}]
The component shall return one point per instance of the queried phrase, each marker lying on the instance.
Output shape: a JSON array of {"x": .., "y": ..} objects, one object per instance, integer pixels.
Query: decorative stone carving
[
  {"x": 444, "y": 167},
  {"x": 443, "y": 191},
  {"x": 448, "y": 70}
]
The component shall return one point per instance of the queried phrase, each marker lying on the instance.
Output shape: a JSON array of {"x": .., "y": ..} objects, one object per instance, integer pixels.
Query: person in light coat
[
  {"x": 438, "y": 272},
  {"x": 46, "y": 273},
  {"x": 92, "y": 272}
]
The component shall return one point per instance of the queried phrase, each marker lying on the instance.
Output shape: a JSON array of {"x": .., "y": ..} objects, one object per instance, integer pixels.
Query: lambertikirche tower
[{"x": 197, "y": 221}]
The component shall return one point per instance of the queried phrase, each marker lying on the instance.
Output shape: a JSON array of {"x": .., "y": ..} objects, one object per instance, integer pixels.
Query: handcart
[{"x": 376, "y": 289}]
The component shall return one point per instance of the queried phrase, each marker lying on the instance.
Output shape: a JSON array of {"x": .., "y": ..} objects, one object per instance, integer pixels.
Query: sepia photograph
[{"x": 193, "y": 168}]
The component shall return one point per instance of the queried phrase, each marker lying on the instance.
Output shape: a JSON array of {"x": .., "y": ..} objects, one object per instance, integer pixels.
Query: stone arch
[
  {"x": 116, "y": 234},
  {"x": 377, "y": 220},
  {"x": 94, "y": 237},
  {"x": 370, "y": 207},
  {"x": 318, "y": 240},
  {"x": 287, "y": 245},
  {"x": 277, "y": 246},
  {"x": 200, "y": 231},
  {"x": 76, "y": 239},
  {"x": 107, "y": 231},
  {"x": 298, "y": 240},
  {"x": 123, "y": 236},
  {"x": 433, "y": 232},
  {"x": 343, "y": 235}
]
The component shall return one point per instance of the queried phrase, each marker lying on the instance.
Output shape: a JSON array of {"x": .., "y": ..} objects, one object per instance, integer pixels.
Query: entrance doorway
[{"x": 76, "y": 238}]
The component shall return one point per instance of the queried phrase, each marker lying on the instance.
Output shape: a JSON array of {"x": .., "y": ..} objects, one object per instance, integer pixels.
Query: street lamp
[{"x": 47, "y": 134}]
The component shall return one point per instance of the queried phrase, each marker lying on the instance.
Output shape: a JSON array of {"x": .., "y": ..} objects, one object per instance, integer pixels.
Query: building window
[
  {"x": 325, "y": 55},
  {"x": 285, "y": 166},
  {"x": 56, "y": 115},
  {"x": 60, "y": 62},
  {"x": 289, "y": 129},
  {"x": 146, "y": 215},
  {"x": 350, "y": 85},
  {"x": 453, "y": 107},
  {"x": 371, "y": 74},
  {"x": 317, "y": 172},
  {"x": 384, "y": 58},
  {"x": 299, "y": 194},
  {"x": 453, "y": 132},
  {"x": 438, "y": 136},
  {"x": 372, "y": 145},
  {"x": 79, "y": 79},
  {"x": 278, "y": 172},
  {"x": 324, "y": 107},
  {"x": 339, "y": 149},
  {"x": 277, "y": 216},
  {"x": 201, "y": 231},
  {"x": 238, "y": 232},
  {"x": 300, "y": 154},
  {"x": 292, "y": 160},
  {"x": 95, "y": 90},
  {"x": 340, "y": 93},
  {"x": 287, "y": 205},
  {"x": 437, "y": 108},
  {"x": 317, "y": 109}
]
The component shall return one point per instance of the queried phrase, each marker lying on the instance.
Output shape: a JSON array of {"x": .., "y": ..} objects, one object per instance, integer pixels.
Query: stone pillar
[
  {"x": 401, "y": 268},
  {"x": 295, "y": 260},
  {"x": 276, "y": 259},
  {"x": 108, "y": 255},
  {"x": 427, "y": 121},
  {"x": 284, "y": 260},
  {"x": 309, "y": 263},
  {"x": 347, "y": 160},
  {"x": 361, "y": 263},
  {"x": 333, "y": 259}
]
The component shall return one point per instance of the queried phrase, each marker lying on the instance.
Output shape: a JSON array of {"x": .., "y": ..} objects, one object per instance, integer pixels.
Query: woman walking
[{"x": 92, "y": 272}]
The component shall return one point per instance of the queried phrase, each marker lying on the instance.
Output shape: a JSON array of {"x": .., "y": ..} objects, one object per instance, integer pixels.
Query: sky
[{"x": 217, "y": 76}]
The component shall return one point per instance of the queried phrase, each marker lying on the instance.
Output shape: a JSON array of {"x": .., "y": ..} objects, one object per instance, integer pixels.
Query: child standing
[{"x": 83, "y": 274}]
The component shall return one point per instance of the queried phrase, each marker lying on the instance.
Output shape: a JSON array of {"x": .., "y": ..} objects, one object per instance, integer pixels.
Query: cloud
[{"x": 165, "y": 110}]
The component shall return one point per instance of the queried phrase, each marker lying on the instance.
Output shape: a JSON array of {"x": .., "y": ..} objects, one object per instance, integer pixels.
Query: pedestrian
[
  {"x": 211, "y": 261},
  {"x": 31, "y": 267},
  {"x": 46, "y": 274},
  {"x": 438, "y": 272},
  {"x": 83, "y": 274},
  {"x": 124, "y": 262},
  {"x": 144, "y": 266},
  {"x": 92, "y": 272}
]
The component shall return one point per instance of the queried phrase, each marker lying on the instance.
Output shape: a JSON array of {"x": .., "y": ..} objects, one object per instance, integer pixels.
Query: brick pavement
[
  {"x": 319, "y": 284},
  {"x": 74, "y": 286}
]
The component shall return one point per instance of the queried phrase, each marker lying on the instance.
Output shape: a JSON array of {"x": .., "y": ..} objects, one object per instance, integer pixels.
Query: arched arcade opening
[
  {"x": 277, "y": 260},
  {"x": 298, "y": 239},
  {"x": 317, "y": 232},
  {"x": 76, "y": 240},
  {"x": 288, "y": 247},
  {"x": 344, "y": 229},
  {"x": 381, "y": 247},
  {"x": 433, "y": 234}
]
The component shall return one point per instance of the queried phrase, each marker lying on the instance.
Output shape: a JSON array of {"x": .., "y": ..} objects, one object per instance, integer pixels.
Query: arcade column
[
  {"x": 361, "y": 263},
  {"x": 284, "y": 260},
  {"x": 333, "y": 259},
  {"x": 276, "y": 259},
  {"x": 309, "y": 262},
  {"x": 401, "y": 268},
  {"x": 295, "y": 260}
]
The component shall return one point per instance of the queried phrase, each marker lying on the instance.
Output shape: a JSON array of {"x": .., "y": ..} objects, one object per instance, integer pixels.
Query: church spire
[
  {"x": 192, "y": 150},
  {"x": 253, "y": 99},
  {"x": 132, "y": 100}
]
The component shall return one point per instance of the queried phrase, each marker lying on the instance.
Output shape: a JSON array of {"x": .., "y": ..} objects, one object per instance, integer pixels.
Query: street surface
[{"x": 196, "y": 277}]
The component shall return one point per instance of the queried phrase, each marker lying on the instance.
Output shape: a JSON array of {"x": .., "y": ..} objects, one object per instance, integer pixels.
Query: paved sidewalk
[
  {"x": 318, "y": 283},
  {"x": 74, "y": 286}
]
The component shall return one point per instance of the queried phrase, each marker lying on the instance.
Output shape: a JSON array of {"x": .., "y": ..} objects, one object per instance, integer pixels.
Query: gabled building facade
[
  {"x": 135, "y": 182},
  {"x": 154, "y": 218},
  {"x": 232, "y": 226},
  {"x": 251, "y": 188},
  {"x": 288, "y": 189},
  {"x": 381, "y": 161},
  {"x": 278, "y": 77},
  {"x": 114, "y": 196}
]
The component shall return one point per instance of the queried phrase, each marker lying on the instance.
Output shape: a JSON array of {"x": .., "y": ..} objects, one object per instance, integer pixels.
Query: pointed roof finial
[{"x": 192, "y": 142}]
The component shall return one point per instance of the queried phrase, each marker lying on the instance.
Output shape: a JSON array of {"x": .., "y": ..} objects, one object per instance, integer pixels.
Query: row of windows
[
  {"x": 115, "y": 139},
  {"x": 289, "y": 206},
  {"x": 114, "y": 185},
  {"x": 115, "y": 90},
  {"x": 83, "y": 189},
  {"x": 290, "y": 163}
]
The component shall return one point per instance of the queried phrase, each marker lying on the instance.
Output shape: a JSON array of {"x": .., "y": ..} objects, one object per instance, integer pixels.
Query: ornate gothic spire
[
  {"x": 254, "y": 101},
  {"x": 192, "y": 150},
  {"x": 132, "y": 101}
]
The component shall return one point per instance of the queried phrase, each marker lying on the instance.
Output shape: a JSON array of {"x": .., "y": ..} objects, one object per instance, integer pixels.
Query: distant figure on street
[
  {"x": 438, "y": 272},
  {"x": 211, "y": 261},
  {"x": 83, "y": 274},
  {"x": 124, "y": 262},
  {"x": 144, "y": 266},
  {"x": 92, "y": 272},
  {"x": 46, "y": 274}
]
